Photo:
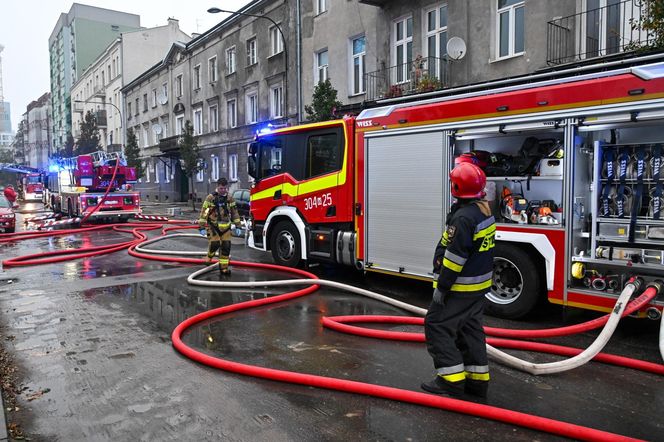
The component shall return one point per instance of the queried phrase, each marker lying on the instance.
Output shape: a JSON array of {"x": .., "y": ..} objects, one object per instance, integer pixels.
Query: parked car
[
  {"x": 7, "y": 215},
  {"x": 241, "y": 197}
]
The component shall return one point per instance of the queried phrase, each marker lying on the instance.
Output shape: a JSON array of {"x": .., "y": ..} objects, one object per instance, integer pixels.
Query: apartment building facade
[
  {"x": 77, "y": 39},
  {"x": 37, "y": 132},
  {"x": 98, "y": 87},
  {"x": 237, "y": 78}
]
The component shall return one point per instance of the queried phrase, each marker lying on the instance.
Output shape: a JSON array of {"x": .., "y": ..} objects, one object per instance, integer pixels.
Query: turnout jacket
[
  {"x": 463, "y": 258},
  {"x": 219, "y": 211}
]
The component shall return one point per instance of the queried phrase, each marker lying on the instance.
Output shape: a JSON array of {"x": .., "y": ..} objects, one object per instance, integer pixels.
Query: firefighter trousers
[
  {"x": 221, "y": 242},
  {"x": 455, "y": 338}
]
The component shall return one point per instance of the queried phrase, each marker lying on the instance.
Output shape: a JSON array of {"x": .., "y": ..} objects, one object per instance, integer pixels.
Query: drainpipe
[{"x": 298, "y": 55}]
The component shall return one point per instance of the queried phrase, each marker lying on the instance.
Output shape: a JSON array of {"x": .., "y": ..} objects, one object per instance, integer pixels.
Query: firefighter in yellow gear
[{"x": 218, "y": 214}]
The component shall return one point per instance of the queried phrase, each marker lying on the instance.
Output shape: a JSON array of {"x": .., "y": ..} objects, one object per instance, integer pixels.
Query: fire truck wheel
[
  {"x": 516, "y": 285},
  {"x": 285, "y": 244}
]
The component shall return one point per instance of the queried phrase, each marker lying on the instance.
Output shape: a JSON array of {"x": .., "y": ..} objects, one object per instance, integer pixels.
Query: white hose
[{"x": 494, "y": 353}]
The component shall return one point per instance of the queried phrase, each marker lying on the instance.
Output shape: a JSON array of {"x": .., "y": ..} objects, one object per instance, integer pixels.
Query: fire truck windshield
[
  {"x": 269, "y": 157},
  {"x": 33, "y": 179}
]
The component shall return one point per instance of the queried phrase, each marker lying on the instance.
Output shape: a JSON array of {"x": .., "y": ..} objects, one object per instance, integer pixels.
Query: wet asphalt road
[{"x": 96, "y": 332}]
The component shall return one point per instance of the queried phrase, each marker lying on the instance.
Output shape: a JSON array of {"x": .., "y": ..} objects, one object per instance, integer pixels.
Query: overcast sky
[{"x": 25, "y": 26}]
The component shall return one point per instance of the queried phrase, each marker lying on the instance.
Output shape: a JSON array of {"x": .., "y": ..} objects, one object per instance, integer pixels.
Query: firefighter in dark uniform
[
  {"x": 463, "y": 263},
  {"x": 218, "y": 213}
]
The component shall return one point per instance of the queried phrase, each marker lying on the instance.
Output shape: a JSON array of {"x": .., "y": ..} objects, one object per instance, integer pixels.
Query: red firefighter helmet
[{"x": 468, "y": 181}]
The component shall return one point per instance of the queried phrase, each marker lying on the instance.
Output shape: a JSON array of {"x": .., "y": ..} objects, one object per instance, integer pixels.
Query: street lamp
[
  {"x": 283, "y": 37},
  {"x": 105, "y": 103}
]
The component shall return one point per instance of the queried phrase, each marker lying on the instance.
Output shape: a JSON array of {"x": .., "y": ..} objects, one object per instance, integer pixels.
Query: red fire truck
[
  {"x": 33, "y": 187},
  {"x": 76, "y": 185},
  {"x": 573, "y": 162}
]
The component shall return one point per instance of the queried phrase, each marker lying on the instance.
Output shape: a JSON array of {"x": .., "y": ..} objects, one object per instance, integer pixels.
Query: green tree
[
  {"x": 324, "y": 102},
  {"x": 190, "y": 157},
  {"x": 68, "y": 150},
  {"x": 89, "y": 139},
  {"x": 6, "y": 156},
  {"x": 650, "y": 23},
  {"x": 132, "y": 153}
]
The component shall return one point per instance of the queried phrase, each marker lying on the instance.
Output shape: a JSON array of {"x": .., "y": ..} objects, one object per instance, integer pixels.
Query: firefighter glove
[
  {"x": 202, "y": 231},
  {"x": 438, "y": 297}
]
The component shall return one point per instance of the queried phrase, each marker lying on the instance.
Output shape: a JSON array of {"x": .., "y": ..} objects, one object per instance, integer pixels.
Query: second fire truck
[
  {"x": 77, "y": 185},
  {"x": 573, "y": 161}
]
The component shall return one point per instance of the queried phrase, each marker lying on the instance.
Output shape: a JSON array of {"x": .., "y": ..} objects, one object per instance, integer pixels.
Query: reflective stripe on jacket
[{"x": 464, "y": 255}]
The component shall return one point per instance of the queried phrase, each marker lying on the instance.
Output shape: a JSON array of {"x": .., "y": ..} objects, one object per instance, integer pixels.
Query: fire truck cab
[
  {"x": 32, "y": 186},
  {"x": 573, "y": 164}
]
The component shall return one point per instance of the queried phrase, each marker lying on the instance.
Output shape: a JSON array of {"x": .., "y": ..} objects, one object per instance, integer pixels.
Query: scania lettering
[{"x": 573, "y": 179}]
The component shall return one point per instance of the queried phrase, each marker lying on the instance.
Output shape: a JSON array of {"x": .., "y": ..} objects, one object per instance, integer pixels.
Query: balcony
[
  {"x": 170, "y": 144},
  {"x": 99, "y": 91},
  {"x": 599, "y": 32},
  {"x": 424, "y": 74}
]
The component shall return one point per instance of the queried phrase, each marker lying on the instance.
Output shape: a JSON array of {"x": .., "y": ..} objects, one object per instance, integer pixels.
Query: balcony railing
[
  {"x": 424, "y": 74},
  {"x": 598, "y": 32}
]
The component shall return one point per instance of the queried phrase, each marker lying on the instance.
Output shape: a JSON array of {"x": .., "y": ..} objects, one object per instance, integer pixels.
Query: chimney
[{"x": 174, "y": 22}]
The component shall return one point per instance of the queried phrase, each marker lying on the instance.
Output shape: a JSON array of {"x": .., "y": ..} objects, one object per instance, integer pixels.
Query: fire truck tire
[
  {"x": 285, "y": 244},
  {"x": 516, "y": 287}
]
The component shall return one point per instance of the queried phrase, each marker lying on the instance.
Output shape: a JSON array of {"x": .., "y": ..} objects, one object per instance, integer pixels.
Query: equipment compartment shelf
[
  {"x": 640, "y": 220},
  {"x": 525, "y": 178},
  {"x": 616, "y": 263}
]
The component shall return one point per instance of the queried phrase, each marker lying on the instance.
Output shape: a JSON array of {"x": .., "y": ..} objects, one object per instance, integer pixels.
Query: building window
[
  {"x": 154, "y": 97},
  {"x": 167, "y": 172},
  {"x": 148, "y": 170},
  {"x": 276, "y": 42},
  {"x": 156, "y": 171},
  {"x": 213, "y": 117},
  {"x": 164, "y": 93},
  {"x": 198, "y": 121},
  {"x": 231, "y": 113},
  {"x": 103, "y": 78},
  {"x": 359, "y": 55},
  {"x": 156, "y": 136},
  {"x": 212, "y": 69},
  {"x": 164, "y": 128},
  {"x": 232, "y": 167},
  {"x": 178, "y": 86},
  {"x": 200, "y": 175},
  {"x": 321, "y": 66},
  {"x": 129, "y": 111},
  {"x": 321, "y": 6},
  {"x": 276, "y": 106},
  {"x": 252, "y": 57},
  {"x": 179, "y": 125},
  {"x": 215, "y": 168},
  {"x": 138, "y": 136},
  {"x": 109, "y": 73},
  {"x": 510, "y": 27},
  {"x": 403, "y": 48},
  {"x": 436, "y": 39},
  {"x": 251, "y": 113},
  {"x": 136, "y": 102},
  {"x": 145, "y": 102},
  {"x": 146, "y": 137},
  {"x": 230, "y": 60},
  {"x": 197, "y": 77}
]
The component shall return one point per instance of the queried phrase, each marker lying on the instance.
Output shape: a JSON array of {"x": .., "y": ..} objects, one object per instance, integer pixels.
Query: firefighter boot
[
  {"x": 476, "y": 389},
  {"x": 224, "y": 269},
  {"x": 440, "y": 386}
]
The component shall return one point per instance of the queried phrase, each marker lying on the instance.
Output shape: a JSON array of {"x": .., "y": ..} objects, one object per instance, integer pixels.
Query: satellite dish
[
  {"x": 162, "y": 99},
  {"x": 456, "y": 48},
  {"x": 156, "y": 129}
]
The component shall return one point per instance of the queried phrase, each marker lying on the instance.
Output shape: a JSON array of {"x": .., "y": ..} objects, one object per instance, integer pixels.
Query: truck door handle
[{"x": 277, "y": 195}]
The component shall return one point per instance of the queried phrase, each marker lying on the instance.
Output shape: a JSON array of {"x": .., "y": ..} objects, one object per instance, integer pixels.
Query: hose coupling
[
  {"x": 658, "y": 285},
  {"x": 637, "y": 282}
]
